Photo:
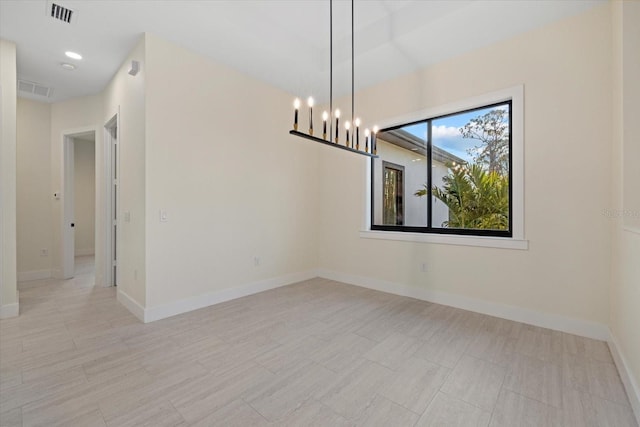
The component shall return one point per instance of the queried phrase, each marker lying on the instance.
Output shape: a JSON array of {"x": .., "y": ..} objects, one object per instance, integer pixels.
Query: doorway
[
  {"x": 79, "y": 197},
  {"x": 75, "y": 240},
  {"x": 106, "y": 175}
]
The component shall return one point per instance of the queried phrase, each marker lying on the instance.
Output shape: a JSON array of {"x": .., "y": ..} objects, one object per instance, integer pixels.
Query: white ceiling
[{"x": 282, "y": 42}]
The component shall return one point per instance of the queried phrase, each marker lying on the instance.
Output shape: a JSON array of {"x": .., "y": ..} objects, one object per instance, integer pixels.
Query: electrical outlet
[
  {"x": 44, "y": 252},
  {"x": 423, "y": 267}
]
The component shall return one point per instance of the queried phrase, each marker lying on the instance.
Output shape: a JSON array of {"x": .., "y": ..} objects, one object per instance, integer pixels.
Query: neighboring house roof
[{"x": 409, "y": 141}]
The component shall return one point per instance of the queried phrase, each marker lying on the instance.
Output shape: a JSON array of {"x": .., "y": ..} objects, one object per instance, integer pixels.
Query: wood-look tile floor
[{"x": 317, "y": 353}]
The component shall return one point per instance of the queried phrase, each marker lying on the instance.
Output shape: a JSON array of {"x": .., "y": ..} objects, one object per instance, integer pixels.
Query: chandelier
[{"x": 331, "y": 135}]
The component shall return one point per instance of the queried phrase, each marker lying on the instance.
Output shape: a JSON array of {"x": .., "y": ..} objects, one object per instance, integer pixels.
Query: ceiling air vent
[
  {"x": 34, "y": 88},
  {"x": 59, "y": 13}
]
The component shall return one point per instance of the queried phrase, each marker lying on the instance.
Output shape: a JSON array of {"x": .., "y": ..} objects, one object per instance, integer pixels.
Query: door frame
[{"x": 109, "y": 164}]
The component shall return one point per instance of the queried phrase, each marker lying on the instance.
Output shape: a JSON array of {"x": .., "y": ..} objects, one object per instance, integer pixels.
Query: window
[
  {"x": 393, "y": 194},
  {"x": 456, "y": 170}
]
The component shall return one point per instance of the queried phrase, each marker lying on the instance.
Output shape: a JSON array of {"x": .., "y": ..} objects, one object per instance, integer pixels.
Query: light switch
[
  {"x": 163, "y": 216},
  {"x": 127, "y": 216}
]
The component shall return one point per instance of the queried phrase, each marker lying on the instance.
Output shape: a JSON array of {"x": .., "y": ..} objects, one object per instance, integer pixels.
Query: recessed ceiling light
[
  {"x": 73, "y": 55},
  {"x": 68, "y": 66}
]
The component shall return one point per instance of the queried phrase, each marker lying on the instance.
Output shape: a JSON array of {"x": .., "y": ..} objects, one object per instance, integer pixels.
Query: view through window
[
  {"x": 449, "y": 174},
  {"x": 393, "y": 194}
]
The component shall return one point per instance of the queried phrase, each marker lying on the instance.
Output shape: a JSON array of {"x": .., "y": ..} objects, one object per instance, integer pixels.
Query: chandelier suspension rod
[
  {"x": 330, "y": 68},
  {"x": 353, "y": 98}
]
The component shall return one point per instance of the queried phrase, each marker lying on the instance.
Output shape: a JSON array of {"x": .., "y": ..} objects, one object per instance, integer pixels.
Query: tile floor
[{"x": 317, "y": 353}]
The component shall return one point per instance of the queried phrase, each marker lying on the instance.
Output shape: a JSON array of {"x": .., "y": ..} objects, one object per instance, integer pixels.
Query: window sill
[{"x": 448, "y": 239}]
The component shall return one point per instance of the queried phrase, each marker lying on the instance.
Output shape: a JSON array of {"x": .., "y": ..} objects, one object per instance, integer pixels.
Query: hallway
[
  {"x": 62, "y": 324},
  {"x": 40, "y": 297}
]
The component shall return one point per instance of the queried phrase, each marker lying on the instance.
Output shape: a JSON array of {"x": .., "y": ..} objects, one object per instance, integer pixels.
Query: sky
[{"x": 446, "y": 133}]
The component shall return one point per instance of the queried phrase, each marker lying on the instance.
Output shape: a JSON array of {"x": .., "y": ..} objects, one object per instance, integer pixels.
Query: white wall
[
  {"x": 125, "y": 95},
  {"x": 566, "y": 71},
  {"x": 84, "y": 195},
  {"x": 625, "y": 282},
  {"x": 34, "y": 196},
  {"x": 232, "y": 181},
  {"x": 440, "y": 210},
  {"x": 8, "y": 83},
  {"x": 415, "y": 175},
  {"x": 71, "y": 117},
  {"x": 415, "y": 166}
]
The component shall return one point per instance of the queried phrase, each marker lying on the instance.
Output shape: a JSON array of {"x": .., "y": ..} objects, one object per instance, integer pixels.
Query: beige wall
[
  {"x": 8, "y": 83},
  {"x": 34, "y": 195},
  {"x": 625, "y": 283},
  {"x": 233, "y": 183},
  {"x": 125, "y": 95},
  {"x": 70, "y": 117},
  {"x": 566, "y": 72},
  {"x": 84, "y": 195},
  {"x": 631, "y": 113}
]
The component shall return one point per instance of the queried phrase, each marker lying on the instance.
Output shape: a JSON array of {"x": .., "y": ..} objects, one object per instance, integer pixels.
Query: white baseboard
[
  {"x": 194, "y": 303},
  {"x": 9, "y": 310},
  {"x": 630, "y": 383},
  {"x": 27, "y": 276},
  {"x": 631, "y": 229},
  {"x": 579, "y": 327},
  {"x": 212, "y": 298},
  {"x": 131, "y": 305},
  {"x": 556, "y": 322}
]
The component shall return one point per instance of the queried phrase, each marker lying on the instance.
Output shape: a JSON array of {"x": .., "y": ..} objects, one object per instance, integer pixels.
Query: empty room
[{"x": 320, "y": 213}]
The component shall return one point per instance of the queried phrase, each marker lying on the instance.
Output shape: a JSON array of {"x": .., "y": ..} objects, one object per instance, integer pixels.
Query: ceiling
[{"x": 282, "y": 42}]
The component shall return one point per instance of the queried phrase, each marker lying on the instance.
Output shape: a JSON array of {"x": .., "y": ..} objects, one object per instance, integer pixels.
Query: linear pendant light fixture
[{"x": 352, "y": 140}]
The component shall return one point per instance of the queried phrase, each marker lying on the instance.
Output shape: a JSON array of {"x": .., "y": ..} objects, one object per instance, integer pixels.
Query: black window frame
[{"x": 429, "y": 229}]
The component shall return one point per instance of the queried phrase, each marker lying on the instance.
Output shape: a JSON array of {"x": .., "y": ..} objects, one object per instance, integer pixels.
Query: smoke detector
[{"x": 60, "y": 13}]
